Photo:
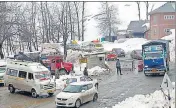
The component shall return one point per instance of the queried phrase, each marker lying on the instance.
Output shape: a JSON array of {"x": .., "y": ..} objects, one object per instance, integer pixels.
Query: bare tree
[
  {"x": 139, "y": 10},
  {"x": 76, "y": 4},
  {"x": 147, "y": 9},
  {"x": 108, "y": 19},
  {"x": 148, "y": 6},
  {"x": 83, "y": 19}
]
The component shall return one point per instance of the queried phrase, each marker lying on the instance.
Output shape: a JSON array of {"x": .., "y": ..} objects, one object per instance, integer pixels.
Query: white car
[
  {"x": 81, "y": 78},
  {"x": 75, "y": 94}
]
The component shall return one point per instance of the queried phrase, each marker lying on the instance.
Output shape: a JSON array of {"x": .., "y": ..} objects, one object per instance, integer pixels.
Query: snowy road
[{"x": 112, "y": 89}]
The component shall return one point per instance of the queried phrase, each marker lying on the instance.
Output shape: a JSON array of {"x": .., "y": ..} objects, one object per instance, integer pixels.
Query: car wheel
[
  {"x": 50, "y": 94},
  {"x": 95, "y": 97},
  {"x": 34, "y": 93},
  {"x": 78, "y": 103},
  {"x": 11, "y": 89}
]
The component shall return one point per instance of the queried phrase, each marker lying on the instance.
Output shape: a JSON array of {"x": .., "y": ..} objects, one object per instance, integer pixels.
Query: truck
[
  {"x": 53, "y": 58},
  {"x": 53, "y": 62},
  {"x": 156, "y": 57}
]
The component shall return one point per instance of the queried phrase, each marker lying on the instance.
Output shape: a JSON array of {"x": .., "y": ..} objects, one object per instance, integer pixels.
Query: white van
[
  {"x": 29, "y": 76},
  {"x": 2, "y": 71}
]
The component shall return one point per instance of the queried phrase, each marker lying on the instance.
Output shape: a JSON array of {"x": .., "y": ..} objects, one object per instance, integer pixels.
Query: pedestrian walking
[
  {"x": 118, "y": 66},
  {"x": 85, "y": 72}
]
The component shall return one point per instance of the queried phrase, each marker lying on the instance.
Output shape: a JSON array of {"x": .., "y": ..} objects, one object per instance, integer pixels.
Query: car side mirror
[{"x": 83, "y": 91}]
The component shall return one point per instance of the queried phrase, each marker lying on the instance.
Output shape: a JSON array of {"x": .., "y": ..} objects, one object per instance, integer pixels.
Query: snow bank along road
[{"x": 112, "y": 89}]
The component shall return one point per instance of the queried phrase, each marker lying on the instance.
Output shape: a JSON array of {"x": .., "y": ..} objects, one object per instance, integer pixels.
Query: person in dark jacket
[
  {"x": 85, "y": 72},
  {"x": 118, "y": 66}
]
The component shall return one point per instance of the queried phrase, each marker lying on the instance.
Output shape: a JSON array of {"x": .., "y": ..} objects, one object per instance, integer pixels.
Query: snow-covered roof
[{"x": 147, "y": 25}]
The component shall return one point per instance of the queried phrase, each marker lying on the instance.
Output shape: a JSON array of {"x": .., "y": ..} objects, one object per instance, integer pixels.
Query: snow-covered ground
[
  {"x": 153, "y": 100},
  {"x": 128, "y": 45},
  {"x": 172, "y": 44}
]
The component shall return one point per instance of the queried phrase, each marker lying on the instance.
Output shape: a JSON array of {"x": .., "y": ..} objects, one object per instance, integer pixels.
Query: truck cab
[
  {"x": 156, "y": 57},
  {"x": 57, "y": 62}
]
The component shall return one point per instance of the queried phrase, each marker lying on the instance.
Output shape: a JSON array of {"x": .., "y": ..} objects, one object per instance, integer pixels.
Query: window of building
[
  {"x": 22, "y": 74},
  {"x": 168, "y": 17},
  {"x": 167, "y": 30},
  {"x": 154, "y": 19},
  {"x": 154, "y": 31}
]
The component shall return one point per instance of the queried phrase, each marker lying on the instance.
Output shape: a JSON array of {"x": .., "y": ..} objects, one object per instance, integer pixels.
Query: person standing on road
[
  {"x": 85, "y": 72},
  {"x": 118, "y": 66}
]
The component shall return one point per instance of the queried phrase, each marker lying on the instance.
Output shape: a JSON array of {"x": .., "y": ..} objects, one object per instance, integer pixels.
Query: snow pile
[
  {"x": 80, "y": 68},
  {"x": 128, "y": 45},
  {"x": 154, "y": 100},
  {"x": 171, "y": 37},
  {"x": 96, "y": 71},
  {"x": 61, "y": 82}
]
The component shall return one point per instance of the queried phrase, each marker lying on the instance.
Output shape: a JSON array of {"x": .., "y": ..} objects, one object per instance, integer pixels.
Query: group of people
[{"x": 118, "y": 68}]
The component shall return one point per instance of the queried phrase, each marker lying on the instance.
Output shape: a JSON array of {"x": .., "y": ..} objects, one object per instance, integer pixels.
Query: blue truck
[{"x": 156, "y": 57}]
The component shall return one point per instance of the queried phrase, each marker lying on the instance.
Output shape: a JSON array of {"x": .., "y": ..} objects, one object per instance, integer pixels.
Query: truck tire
[{"x": 63, "y": 71}]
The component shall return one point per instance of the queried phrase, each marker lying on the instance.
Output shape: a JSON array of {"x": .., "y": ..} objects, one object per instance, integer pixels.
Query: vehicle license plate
[{"x": 153, "y": 70}]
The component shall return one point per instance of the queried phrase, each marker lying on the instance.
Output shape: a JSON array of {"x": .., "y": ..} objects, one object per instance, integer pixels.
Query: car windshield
[
  {"x": 73, "y": 89},
  {"x": 2, "y": 69},
  {"x": 71, "y": 80},
  {"x": 42, "y": 75},
  {"x": 153, "y": 55}
]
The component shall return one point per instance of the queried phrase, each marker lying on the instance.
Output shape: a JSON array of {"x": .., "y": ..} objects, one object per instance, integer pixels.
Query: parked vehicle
[
  {"x": 29, "y": 76},
  {"x": 90, "y": 47},
  {"x": 111, "y": 56},
  {"x": 140, "y": 66},
  {"x": 136, "y": 54},
  {"x": 156, "y": 57},
  {"x": 2, "y": 71},
  {"x": 76, "y": 94},
  {"x": 77, "y": 47},
  {"x": 119, "y": 52},
  {"x": 81, "y": 78},
  {"x": 98, "y": 47}
]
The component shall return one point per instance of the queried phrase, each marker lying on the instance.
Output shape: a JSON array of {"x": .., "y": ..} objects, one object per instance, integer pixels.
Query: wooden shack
[{"x": 95, "y": 59}]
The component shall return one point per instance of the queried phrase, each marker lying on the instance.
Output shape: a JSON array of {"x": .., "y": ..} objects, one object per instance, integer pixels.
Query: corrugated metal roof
[
  {"x": 136, "y": 26},
  {"x": 167, "y": 7}
]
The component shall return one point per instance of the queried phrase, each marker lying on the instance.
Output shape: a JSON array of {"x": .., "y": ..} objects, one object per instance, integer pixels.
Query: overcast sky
[{"x": 128, "y": 11}]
